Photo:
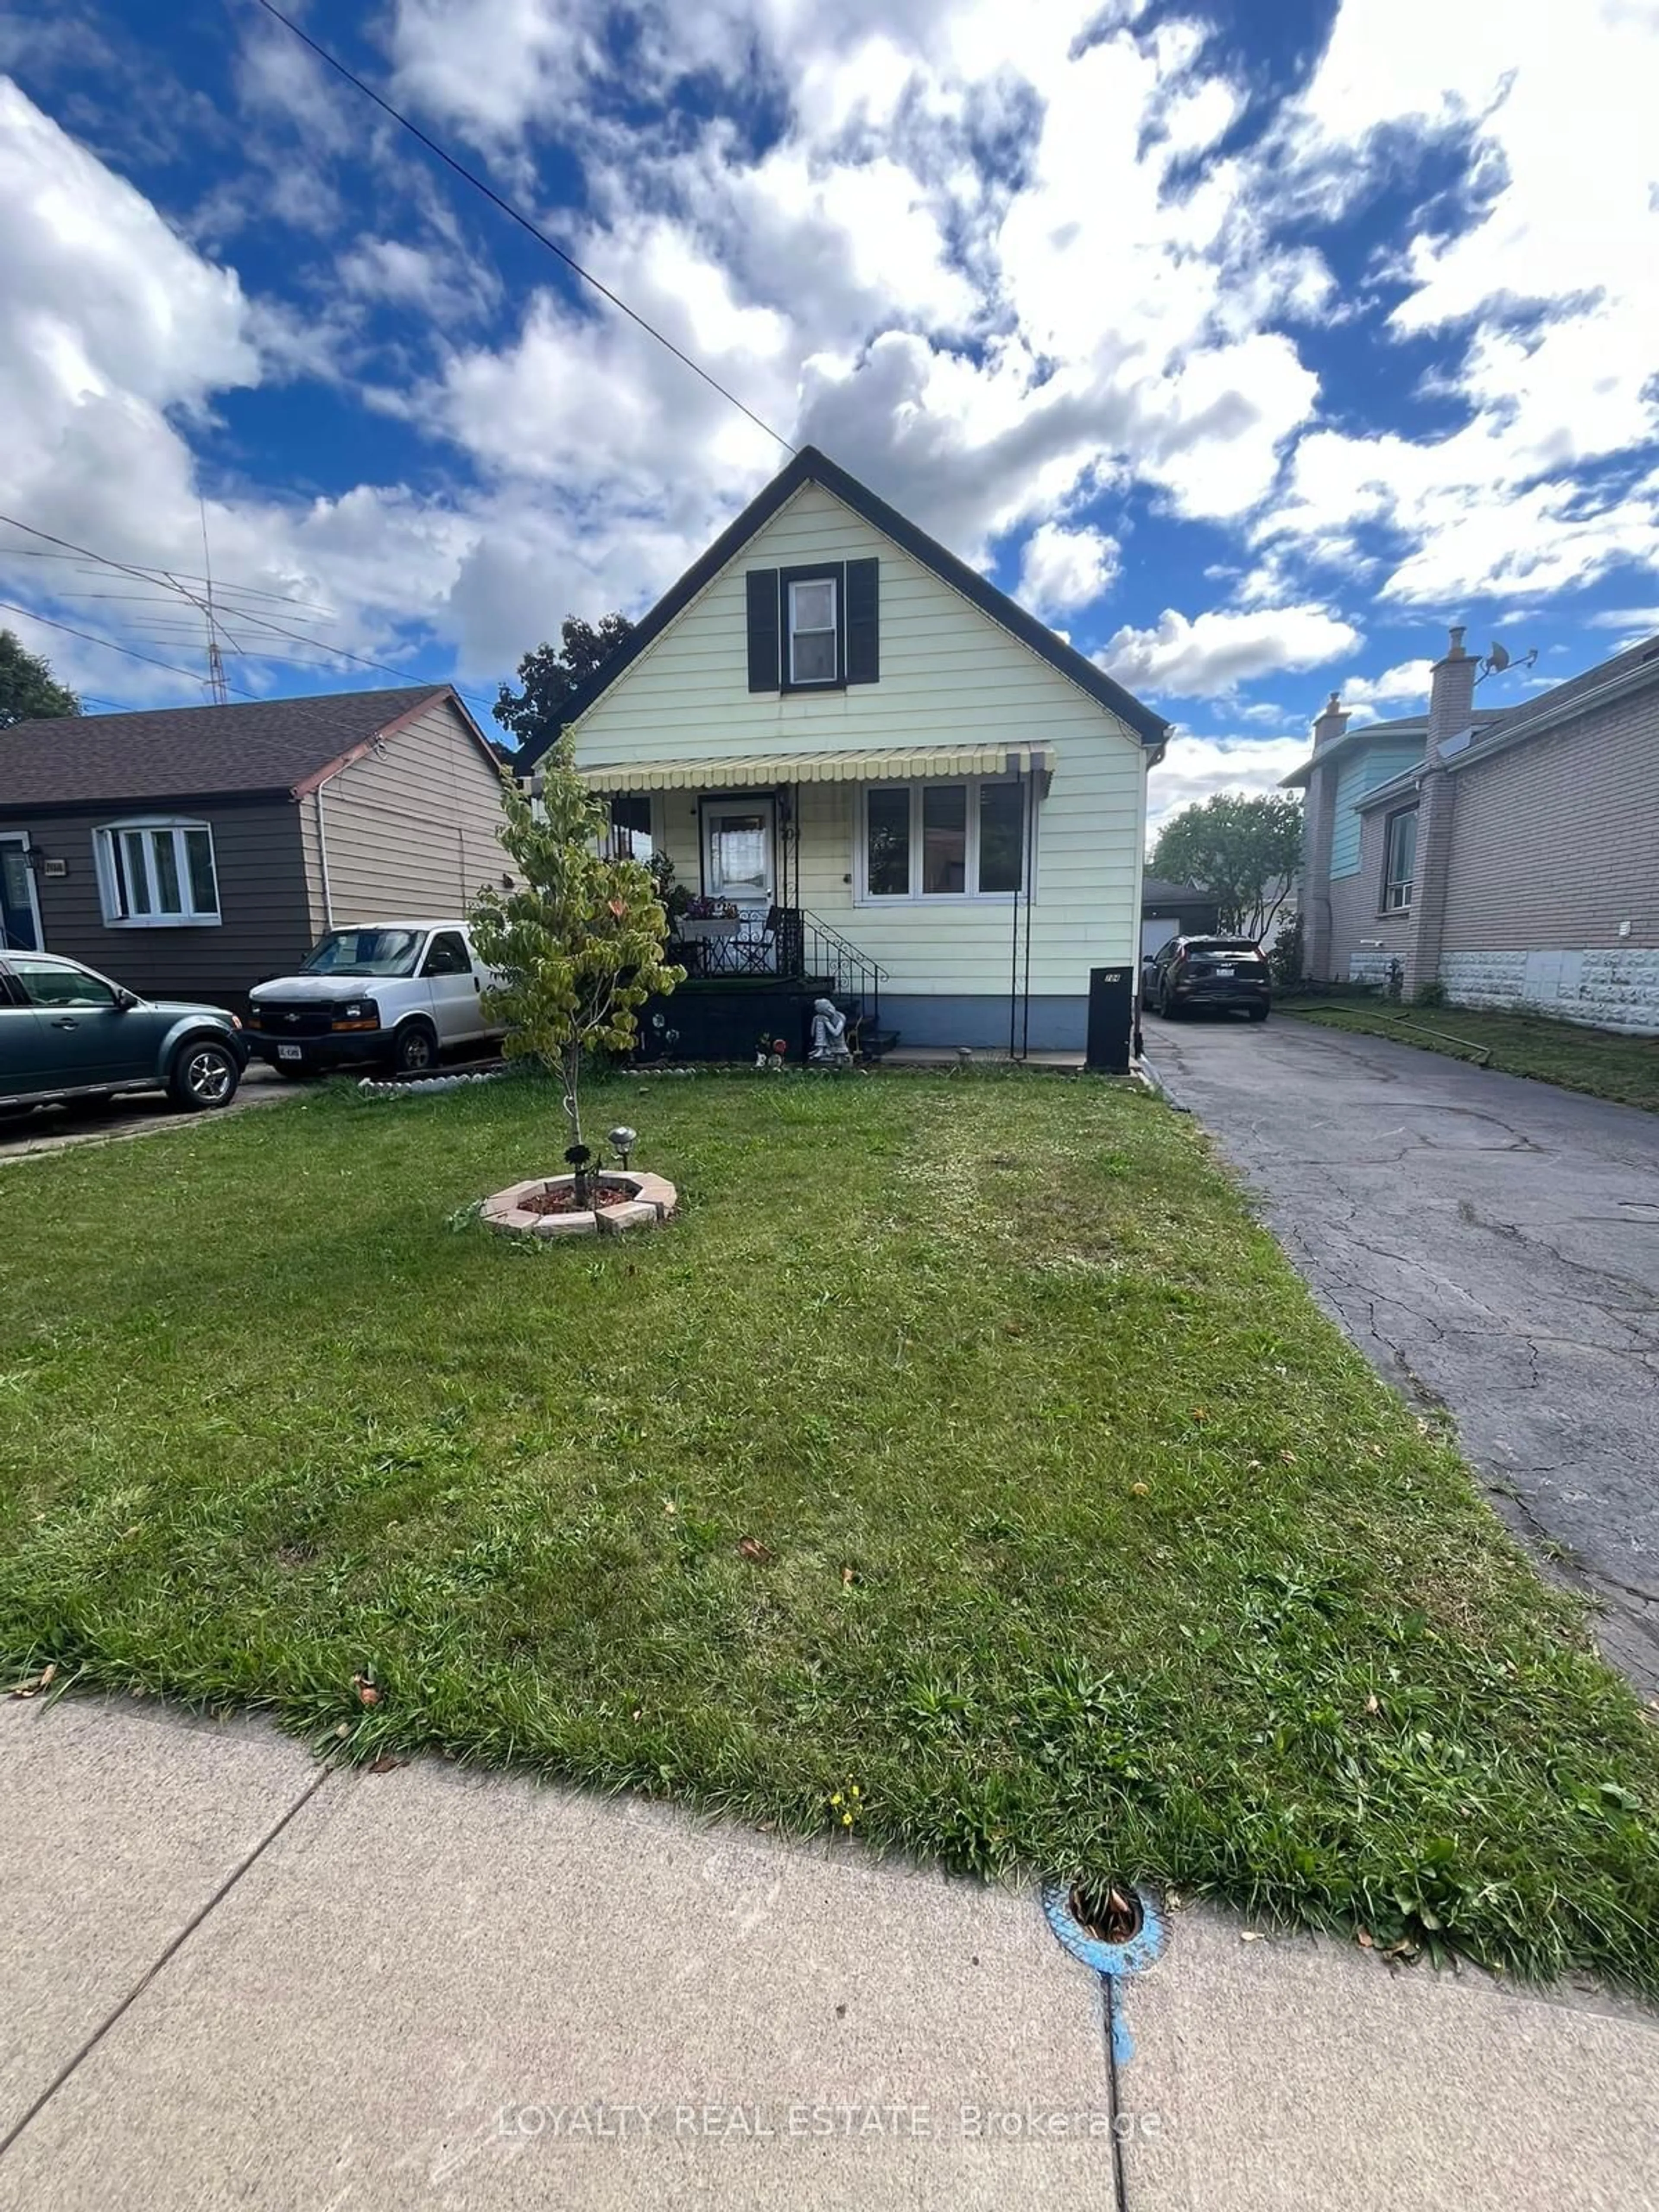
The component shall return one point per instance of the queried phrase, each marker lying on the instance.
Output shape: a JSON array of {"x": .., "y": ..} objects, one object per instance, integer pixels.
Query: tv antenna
[
  {"x": 1498, "y": 659},
  {"x": 216, "y": 683}
]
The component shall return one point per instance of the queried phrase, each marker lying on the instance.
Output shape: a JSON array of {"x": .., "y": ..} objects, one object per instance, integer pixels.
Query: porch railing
[{"x": 790, "y": 943}]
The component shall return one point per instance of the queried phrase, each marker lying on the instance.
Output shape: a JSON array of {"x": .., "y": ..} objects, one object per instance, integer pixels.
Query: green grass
[
  {"x": 1090, "y": 1544},
  {"x": 1622, "y": 1068}
]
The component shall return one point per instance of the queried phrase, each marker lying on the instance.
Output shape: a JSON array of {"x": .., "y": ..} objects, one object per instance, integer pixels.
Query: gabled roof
[
  {"x": 272, "y": 747},
  {"x": 811, "y": 467}
]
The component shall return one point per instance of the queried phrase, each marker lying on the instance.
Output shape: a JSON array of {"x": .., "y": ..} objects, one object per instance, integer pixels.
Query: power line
[
  {"x": 263, "y": 621},
  {"x": 518, "y": 215},
  {"x": 69, "y": 630}
]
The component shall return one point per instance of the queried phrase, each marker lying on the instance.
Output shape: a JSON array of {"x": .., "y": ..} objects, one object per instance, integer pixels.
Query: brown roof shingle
[{"x": 266, "y": 746}]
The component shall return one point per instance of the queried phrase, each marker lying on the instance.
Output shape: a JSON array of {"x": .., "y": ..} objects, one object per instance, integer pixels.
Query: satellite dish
[{"x": 1498, "y": 659}]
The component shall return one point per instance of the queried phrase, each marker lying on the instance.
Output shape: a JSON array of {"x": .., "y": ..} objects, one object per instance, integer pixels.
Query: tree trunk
[{"x": 571, "y": 1057}]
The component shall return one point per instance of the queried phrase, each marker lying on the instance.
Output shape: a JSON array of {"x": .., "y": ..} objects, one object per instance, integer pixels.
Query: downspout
[
  {"x": 1027, "y": 820},
  {"x": 322, "y": 856},
  {"x": 1013, "y": 939}
]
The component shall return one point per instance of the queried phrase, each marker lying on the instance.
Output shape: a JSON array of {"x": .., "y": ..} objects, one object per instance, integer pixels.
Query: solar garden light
[{"x": 622, "y": 1139}]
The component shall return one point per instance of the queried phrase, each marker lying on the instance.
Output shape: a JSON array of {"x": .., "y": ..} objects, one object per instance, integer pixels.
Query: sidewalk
[{"x": 229, "y": 1977}]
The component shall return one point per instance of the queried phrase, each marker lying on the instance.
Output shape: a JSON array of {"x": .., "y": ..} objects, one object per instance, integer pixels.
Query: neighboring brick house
[
  {"x": 1511, "y": 854},
  {"x": 192, "y": 852}
]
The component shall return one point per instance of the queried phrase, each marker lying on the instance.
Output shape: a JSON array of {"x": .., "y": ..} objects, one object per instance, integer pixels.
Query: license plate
[
  {"x": 1220, "y": 972},
  {"x": 290, "y": 1052}
]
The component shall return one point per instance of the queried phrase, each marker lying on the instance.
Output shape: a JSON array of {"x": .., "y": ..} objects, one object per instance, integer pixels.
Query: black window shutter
[
  {"x": 763, "y": 629},
  {"x": 863, "y": 621}
]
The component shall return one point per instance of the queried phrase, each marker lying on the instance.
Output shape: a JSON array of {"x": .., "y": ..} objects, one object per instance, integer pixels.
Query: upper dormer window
[
  {"x": 814, "y": 636},
  {"x": 814, "y": 628}
]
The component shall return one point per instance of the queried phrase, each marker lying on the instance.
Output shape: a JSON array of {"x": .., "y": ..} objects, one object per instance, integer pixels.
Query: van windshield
[{"x": 365, "y": 953}]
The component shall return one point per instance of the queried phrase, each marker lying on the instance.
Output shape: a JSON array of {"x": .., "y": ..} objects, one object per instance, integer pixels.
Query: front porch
[{"x": 897, "y": 882}]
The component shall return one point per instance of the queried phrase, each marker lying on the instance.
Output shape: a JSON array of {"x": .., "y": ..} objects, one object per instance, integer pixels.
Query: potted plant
[{"x": 703, "y": 918}]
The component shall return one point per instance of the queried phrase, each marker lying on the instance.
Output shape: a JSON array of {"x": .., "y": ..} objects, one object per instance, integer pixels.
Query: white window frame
[
  {"x": 831, "y": 630},
  {"x": 862, "y": 894},
  {"x": 1397, "y": 891},
  {"x": 152, "y": 827}
]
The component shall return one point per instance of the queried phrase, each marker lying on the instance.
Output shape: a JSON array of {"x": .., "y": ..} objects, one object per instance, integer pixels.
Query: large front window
[
  {"x": 1400, "y": 865},
  {"x": 156, "y": 874},
  {"x": 924, "y": 840}
]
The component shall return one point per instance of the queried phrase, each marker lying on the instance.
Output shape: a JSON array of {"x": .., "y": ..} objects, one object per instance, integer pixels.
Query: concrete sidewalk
[{"x": 229, "y": 1977}]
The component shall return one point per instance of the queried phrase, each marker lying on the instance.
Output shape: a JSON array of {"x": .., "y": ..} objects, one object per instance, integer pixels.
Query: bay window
[
  {"x": 155, "y": 874},
  {"x": 928, "y": 840}
]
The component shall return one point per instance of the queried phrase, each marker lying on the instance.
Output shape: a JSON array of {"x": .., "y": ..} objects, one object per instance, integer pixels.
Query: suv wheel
[
  {"x": 204, "y": 1075},
  {"x": 415, "y": 1049}
]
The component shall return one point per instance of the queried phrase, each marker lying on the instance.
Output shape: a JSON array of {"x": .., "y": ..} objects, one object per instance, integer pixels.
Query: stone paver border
[{"x": 653, "y": 1200}]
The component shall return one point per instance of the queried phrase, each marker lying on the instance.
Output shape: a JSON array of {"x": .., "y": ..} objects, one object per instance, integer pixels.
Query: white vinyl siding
[
  {"x": 948, "y": 672},
  {"x": 410, "y": 829}
]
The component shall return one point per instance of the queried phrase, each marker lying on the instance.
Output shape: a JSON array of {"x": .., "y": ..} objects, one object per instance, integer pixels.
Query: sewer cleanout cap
[{"x": 1113, "y": 1926}]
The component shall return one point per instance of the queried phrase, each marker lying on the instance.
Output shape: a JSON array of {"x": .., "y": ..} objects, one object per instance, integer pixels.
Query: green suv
[{"x": 67, "y": 1032}]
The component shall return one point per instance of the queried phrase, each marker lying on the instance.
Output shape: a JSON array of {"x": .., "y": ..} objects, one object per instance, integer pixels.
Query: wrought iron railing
[{"x": 789, "y": 943}]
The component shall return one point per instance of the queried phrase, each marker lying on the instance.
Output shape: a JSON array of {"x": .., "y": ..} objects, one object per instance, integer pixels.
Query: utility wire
[
  {"x": 518, "y": 215},
  {"x": 279, "y": 629},
  {"x": 69, "y": 630}
]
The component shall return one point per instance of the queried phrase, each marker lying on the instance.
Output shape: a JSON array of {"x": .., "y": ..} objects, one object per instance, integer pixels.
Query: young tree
[
  {"x": 27, "y": 686},
  {"x": 579, "y": 940},
  {"x": 536, "y": 712},
  {"x": 1245, "y": 852}
]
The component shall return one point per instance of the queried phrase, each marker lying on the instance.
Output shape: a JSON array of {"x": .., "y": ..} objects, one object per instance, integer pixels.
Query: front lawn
[
  {"x": 1622, "y": 1068},
  {"x": 965, "y": 1469}
]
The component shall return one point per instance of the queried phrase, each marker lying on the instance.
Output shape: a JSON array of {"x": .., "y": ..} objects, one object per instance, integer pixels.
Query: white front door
[
  {"x": 19, "y": 907},
  {"x": 739, "y": 862}
]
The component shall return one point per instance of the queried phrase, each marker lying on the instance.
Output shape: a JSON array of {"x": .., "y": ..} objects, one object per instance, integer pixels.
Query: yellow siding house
[{"x": 875, "y": 770}]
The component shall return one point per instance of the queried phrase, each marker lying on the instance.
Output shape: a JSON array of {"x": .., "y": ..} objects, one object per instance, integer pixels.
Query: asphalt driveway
[
  {"x": 1493, "y": 1246},
  {"x": 96, "y": 1122}
]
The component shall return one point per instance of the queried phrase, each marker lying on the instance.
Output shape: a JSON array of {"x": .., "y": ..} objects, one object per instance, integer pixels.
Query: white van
[{"x": 393, "y": 994}]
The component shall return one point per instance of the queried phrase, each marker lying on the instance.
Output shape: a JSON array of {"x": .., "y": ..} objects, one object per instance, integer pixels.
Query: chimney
[
  {"x": 1332, "y": 723},
  {"x": 1451, "y": 693}
]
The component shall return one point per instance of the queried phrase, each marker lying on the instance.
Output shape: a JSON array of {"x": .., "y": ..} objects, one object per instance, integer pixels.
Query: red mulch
[{"x": 564, "y": 1201}]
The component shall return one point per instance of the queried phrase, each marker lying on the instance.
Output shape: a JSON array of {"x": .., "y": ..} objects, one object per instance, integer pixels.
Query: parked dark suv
[{"x": 1208, "y": 971}]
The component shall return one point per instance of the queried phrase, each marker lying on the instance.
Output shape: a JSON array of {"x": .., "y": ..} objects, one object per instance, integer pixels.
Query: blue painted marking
[{"x": 1113, "y": 1960}]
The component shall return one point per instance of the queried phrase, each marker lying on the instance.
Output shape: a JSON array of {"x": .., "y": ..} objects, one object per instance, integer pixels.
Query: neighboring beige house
[
  {"x": 190, "y": 852},
  {"x": 898, "y": 779},
  {"x": 1511, "y": 854}
]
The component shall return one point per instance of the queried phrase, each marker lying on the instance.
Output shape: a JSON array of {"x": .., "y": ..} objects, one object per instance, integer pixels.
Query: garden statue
[{"x": 829, "y": 1046}]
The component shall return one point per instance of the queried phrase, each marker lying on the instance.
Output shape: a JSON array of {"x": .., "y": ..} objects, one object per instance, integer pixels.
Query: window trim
[
  {"x": 833, "y": 573},
  {"x": 1390, "y": 905},
  {"x": 863, "y": 896},
  {"x": 107, "y": 869}
]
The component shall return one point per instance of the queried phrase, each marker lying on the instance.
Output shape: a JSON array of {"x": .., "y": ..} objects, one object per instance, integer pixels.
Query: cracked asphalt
[{"x": 1493, "y": 1246}]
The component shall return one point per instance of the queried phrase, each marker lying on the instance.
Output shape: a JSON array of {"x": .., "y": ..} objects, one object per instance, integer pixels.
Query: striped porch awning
[{"x": 884, "y": 764}]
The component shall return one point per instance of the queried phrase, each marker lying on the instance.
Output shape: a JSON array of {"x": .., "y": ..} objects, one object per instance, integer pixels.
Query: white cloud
[
  {"x": 1063, "y": 569},
  {"x": 1638, "y": 620},
  {"x": 1195, "y": 769},
  {"x": 1215, "y": 651},
  {"x": 1551, "y": 292},
  {"x": 1406, "y": 684}
]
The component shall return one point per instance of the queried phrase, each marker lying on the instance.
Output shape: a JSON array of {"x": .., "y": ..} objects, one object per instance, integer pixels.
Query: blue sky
[{"x": 1250, "y": 345}]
